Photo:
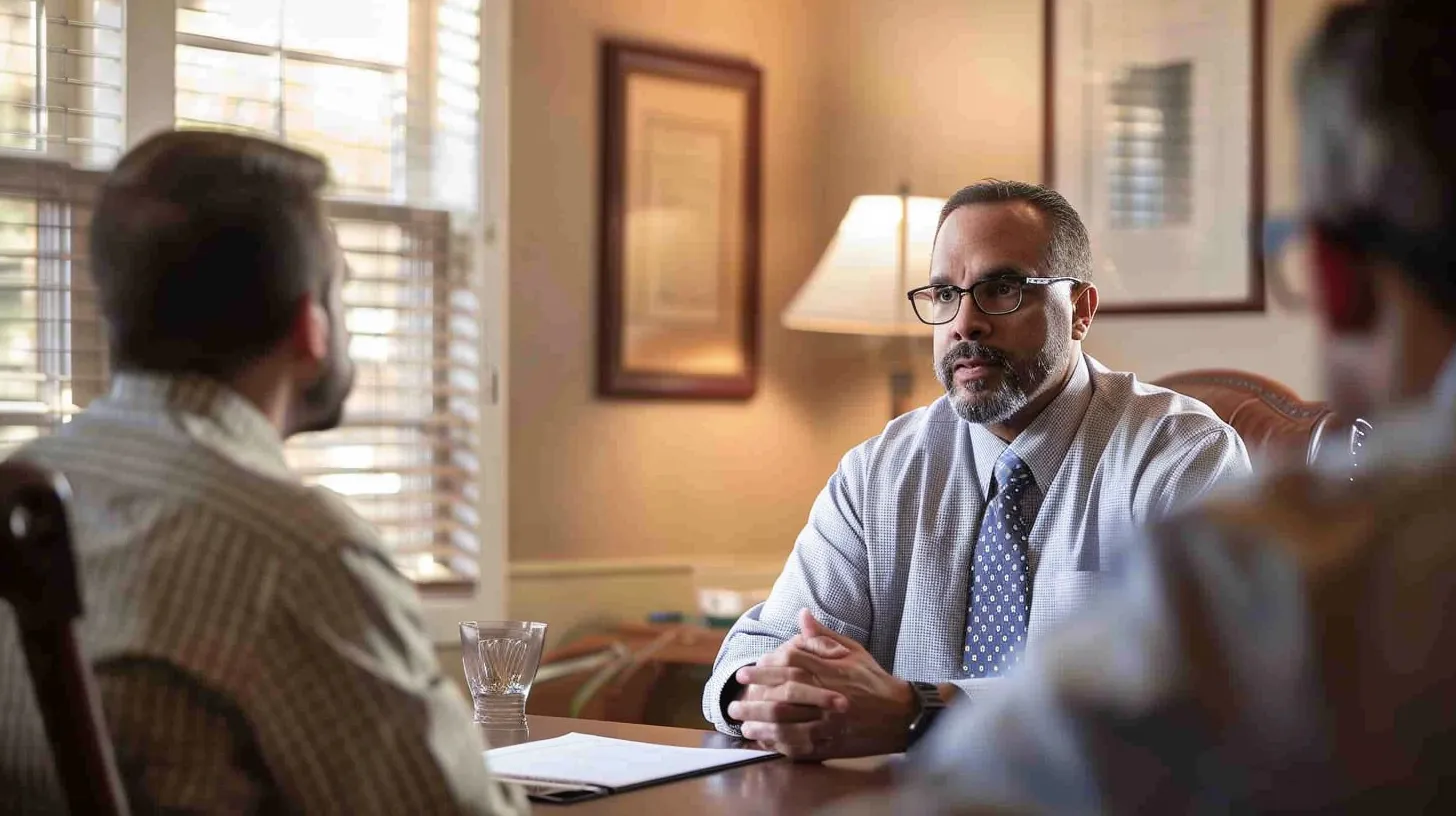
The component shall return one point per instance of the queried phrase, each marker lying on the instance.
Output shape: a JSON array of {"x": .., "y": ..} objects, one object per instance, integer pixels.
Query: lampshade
[{"x": 859, "y": 284}]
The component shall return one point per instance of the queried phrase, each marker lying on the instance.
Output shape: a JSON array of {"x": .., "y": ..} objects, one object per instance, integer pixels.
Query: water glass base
[{"x": 502, "y": 711}]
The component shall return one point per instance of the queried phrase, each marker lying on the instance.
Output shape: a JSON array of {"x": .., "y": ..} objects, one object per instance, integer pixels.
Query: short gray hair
[{"x": 1069, "y": 253}]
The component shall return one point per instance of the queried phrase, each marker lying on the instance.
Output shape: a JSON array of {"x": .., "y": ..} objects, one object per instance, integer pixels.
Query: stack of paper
[{"x": 613, "y": 764}]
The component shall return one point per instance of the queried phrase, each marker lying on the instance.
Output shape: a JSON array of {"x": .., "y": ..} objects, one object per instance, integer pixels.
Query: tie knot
[{"x": 1012, "y": 474}]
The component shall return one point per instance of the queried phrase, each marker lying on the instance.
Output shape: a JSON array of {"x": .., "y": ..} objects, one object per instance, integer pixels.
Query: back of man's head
[
  {"x": 1377, "y": 95},
  {"x": 203, "y": 245}
]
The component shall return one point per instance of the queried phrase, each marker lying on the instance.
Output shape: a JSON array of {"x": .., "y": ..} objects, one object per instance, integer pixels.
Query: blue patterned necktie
[{"x": 1000, "y": 584}]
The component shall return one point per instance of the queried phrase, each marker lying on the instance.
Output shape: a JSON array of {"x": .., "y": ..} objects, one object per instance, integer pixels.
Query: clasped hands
[{"x": 822, "y": 695}]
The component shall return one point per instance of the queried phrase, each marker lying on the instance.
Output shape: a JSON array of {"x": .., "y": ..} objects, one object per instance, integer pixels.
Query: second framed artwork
[
  {"x": 1154, "y": 132},
  {"x": 680, "y": 157}
]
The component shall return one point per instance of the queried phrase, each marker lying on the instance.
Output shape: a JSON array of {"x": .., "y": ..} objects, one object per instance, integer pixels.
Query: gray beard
[{"x": 1019, "y": 383}]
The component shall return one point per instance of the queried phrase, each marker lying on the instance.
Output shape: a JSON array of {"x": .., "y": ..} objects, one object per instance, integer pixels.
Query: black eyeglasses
[{"x": 939, "y": 303}]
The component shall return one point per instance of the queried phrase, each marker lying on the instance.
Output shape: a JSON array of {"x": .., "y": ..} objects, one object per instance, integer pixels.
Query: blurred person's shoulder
[
  {"x": 1339, "y": 524},
  {"x": 1314, "y": 587}
]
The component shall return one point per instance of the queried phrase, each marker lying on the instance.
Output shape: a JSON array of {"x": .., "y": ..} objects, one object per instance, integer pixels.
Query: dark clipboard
[{"x": 565, "y": 793}]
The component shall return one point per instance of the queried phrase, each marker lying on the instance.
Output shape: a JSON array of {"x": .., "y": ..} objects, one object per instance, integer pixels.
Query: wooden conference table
[{"x": 775, "y": 787}]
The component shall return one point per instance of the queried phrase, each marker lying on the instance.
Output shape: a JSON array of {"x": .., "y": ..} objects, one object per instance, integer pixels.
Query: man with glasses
[
  {"x": 942, "y": 548},
  {"x": 1291, "y": 649}
]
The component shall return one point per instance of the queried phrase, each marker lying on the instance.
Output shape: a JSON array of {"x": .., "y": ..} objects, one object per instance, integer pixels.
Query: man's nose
[{"x": 970, "y": 322}]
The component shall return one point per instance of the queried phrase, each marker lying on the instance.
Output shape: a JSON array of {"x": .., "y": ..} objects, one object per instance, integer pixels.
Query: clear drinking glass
[{"x": 501, "y": 658}]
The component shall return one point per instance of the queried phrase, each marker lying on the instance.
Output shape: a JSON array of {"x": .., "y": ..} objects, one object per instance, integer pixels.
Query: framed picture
[
  {"x": 1154, "y": 131},
  {"x": 680, "y": 224}
]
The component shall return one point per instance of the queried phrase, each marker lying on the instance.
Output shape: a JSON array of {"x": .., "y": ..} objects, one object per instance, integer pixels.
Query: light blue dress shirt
[{"x": 886, "y": 555}]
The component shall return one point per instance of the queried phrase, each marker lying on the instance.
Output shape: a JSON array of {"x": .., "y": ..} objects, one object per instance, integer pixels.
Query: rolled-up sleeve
[{"x": 827, "y": 573}]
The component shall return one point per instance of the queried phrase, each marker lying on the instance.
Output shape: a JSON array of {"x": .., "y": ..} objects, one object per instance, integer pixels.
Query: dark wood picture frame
[
  {"x": 1255, "y": 300},
  {"x": 620, "y": 61}
]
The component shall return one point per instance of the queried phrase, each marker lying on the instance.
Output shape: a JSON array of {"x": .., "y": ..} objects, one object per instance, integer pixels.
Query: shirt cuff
[
  {"x": 972, "y": 687},
  {"x": 730, "y": 692},
  {"x": 727, "y": 689}
]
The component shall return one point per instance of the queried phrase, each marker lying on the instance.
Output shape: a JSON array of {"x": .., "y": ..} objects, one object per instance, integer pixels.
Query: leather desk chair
[{"x": 1275, "y": 424}]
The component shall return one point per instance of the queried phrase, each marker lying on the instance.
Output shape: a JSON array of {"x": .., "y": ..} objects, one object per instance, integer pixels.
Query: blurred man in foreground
[
  {"x": 255, "y": 649},
  {"x": 1293, "y": 648}
]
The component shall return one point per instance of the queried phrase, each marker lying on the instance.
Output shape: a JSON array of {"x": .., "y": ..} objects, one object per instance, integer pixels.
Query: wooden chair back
[{"x": 38, "y": 578}]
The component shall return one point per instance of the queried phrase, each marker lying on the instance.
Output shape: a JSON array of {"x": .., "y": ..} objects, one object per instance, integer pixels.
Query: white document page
[{"x": 606, "y": 762}]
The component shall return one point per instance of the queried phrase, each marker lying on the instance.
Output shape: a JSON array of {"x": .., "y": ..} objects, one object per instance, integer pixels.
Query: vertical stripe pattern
[{"x": 254, "y": 647}]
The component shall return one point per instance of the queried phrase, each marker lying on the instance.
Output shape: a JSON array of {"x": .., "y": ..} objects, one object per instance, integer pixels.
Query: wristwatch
[{"x": 928, "y": 705}]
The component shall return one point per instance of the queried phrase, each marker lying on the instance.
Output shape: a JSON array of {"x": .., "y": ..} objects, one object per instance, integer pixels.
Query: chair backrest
[
  {"x": 38, "y": 578},
  {"x": 1272, "y": 420}
]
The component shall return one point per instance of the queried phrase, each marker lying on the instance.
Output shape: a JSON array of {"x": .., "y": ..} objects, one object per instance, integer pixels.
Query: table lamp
[{"x": 859, "y": 284}]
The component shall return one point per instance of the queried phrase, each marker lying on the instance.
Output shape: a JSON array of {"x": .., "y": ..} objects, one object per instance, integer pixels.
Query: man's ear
[
  {"x": 309, "y": 339},
  {"x": 1345, "y": 293},
  {"x": 1084, "y": 308}
]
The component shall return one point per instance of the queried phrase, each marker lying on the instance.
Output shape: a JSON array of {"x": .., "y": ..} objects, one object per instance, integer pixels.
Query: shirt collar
[
  {"x": 208, "y": 411},
  {"x": 1044, "y": 443},
  {"x": 987, "y": 448}
]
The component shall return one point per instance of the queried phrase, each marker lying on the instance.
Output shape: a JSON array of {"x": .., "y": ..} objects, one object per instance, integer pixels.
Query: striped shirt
[
  {"x": 886, "y": 555},
  {"x": 254, "y": 648}
]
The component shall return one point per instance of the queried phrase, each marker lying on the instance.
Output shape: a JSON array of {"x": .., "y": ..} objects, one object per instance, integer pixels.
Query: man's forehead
[{"x": 981, "y": 236}]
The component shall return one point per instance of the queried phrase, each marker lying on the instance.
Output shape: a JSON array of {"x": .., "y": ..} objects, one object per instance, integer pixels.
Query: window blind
[
  {"x": 61, "y": 79},
  {"x": 61, "y": 106},
  {"x": 388, "y": 92},
  {"x": 52, "y": 341},
  {"x": 406, "y": 454}
]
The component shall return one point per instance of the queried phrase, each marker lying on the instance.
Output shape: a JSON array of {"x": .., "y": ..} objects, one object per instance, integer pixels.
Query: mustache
[{"x": 974, "y": 353}]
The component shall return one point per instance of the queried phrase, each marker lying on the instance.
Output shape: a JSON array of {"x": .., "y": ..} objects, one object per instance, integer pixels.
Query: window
[
  {"x": 61, "y": 110},
  {"x": 406, "y": 453},
  {"x": 388, "y": 92},
  {"x": 52, "y": 344},
  {"x": 378, "y": 86},
  {"x": 61, "y": 79}
]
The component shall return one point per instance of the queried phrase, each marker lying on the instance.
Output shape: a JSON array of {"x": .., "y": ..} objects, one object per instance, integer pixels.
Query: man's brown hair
[{"x": 203, "y": 244}]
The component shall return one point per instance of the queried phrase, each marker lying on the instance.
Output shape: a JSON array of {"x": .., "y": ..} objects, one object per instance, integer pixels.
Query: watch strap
[{"x": 929, "y": 705}]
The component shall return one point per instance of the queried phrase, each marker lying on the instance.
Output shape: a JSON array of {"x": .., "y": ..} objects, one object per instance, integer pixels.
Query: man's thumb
[{"x": 811, "y": 628}]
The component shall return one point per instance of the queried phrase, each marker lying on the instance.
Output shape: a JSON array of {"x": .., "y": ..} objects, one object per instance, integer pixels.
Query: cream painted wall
[
  {"x": 591, "y": 478},
  {"x": 858, "y": 96},
  {"x": 932, "y": 93}
]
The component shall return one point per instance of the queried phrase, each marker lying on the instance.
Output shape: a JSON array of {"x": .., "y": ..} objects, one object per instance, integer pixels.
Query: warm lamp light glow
[{"x": 859, "y": 284}]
